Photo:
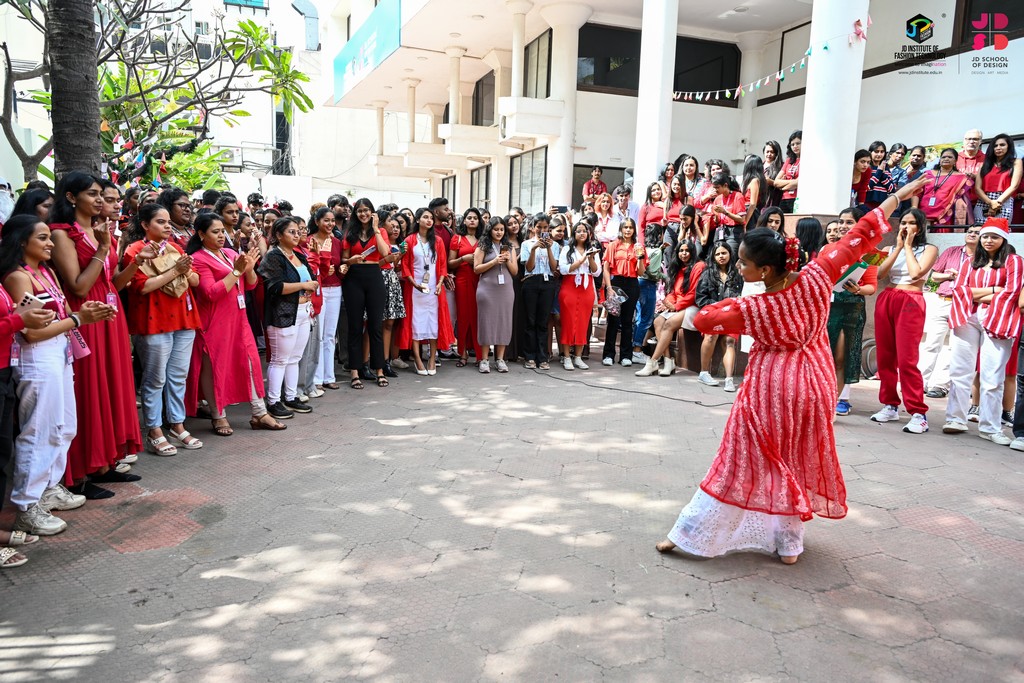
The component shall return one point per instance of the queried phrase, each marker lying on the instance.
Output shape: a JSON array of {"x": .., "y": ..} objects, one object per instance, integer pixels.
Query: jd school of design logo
[
  {"x": 920, "y": 28},
  {"x": 989, "y": 30}
]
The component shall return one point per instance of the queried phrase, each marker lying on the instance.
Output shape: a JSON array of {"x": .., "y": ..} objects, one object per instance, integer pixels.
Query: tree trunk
[{"x": 71, "y": 35}]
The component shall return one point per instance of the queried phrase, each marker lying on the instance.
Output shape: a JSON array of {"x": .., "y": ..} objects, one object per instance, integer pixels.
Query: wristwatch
[{"x": 236, "y": 272}]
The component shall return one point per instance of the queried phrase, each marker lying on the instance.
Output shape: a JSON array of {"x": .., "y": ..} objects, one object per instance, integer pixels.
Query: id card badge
[
  {"x": 501, "y": 278},
  {"x": 15, "y": 354},
  {"x": 112, "y": 300},
  {"x": 69, "y": 356},
  {"x": 546, "y": 277},
  {"x": 241, "y": 301},
  {"x": 425, "y": 280},
  {"x": 931, "y": 201},
  {"x": 188, "y": 301}
]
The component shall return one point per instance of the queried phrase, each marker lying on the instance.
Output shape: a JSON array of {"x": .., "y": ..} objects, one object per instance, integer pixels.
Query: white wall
[{"x": 24, "y": 43}]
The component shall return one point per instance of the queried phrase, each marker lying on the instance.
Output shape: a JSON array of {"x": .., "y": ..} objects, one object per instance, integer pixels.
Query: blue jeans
[
  {"x": 645, "y": 310},
  {"x": 165, "y": 361}
]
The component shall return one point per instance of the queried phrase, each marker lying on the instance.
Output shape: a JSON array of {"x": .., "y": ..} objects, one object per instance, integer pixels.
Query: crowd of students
[{"x": 131, "y": 313}]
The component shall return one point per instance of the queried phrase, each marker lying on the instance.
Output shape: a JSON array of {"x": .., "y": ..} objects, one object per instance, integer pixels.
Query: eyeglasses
[
  {"x": 293, "y": 233},
  {"x": 183, "y": 205}
]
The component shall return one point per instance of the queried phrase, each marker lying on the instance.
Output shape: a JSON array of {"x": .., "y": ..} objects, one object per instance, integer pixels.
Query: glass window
[
  {"x": 537, "y": 80},
  {"x": 483, "y": 101},
  {"x": 448, "y": 190},
  {"x": 529, "y": 176},
  {"x": 480, "y": 187}
]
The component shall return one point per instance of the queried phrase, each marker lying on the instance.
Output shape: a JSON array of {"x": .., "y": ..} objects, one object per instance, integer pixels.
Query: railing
[{"x": 255, "y": 4}]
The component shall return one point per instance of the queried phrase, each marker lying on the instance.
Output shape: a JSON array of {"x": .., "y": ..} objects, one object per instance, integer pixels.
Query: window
[
  {"x": 480, "y": 187},
  {"x": 202, "y": 28},
  {"x": 529, "y": 176},
  {"x": 537, "y": 76},
  {"x": 448, "y": 190},
  {"x": 612, "y": 177},
  {"x": 609, "y": 61},
  {"x": 483, "y": 101}
]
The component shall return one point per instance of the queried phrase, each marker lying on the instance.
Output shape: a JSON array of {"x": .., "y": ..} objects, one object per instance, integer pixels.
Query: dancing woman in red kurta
[{"x": 777, "y": 464}]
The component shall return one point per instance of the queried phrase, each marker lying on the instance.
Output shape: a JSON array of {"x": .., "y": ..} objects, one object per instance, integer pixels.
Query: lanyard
[
  {"x": 423, "y": 250},
  {"x": 52, "y": 288},
  {"x": 936, "y": 184}
]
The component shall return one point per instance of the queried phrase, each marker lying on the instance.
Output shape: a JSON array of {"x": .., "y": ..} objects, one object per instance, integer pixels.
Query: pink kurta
[
  {"x": 778, "y": 452},
  {"x": 225, "y": 335}
]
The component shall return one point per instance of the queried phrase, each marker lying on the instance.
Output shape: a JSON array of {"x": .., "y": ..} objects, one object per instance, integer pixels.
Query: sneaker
[
  {"x": 1017, "y": 444},
  {"x": 625, "y": 362},
  {"x": 887, "y": 414},
  {"x": 316, "y": 392},
  {"x": 639, "y": 357},
  {"x": 974, "y": 414},
  {"x": 937, "y": 392},
  {"x": 918, "y": 424},
  {"x": 501, "y": 365},
  {"x": 843, "y": 407},
  {"x": 130, "y": 459},
  {"x": 544, "y": 365},
  {"x": 279, "y": 411},
  {"x": 122, "y": 467},
  {"x": 59, "y": 498},
  {"x": 706, "y": 378},
  {"x": 998, "y": 438},
  {"x": 303, "y": 398},
  {"x": 530, "y": 365},
  {"x": 578, "y": 362},
  {"x": 607, "y": 362},
  {"x": 567, "y": 363},
  {"x": 399, "y": 363},
  {"x": 485, "y": 366},
  {"x": 297, "y": 406},
  {"x": 1006, "y": 417},
  {"x": 954, "y": 427},
  {"x": 38, "y": 521},
  {"x": 730, "y": 386}
]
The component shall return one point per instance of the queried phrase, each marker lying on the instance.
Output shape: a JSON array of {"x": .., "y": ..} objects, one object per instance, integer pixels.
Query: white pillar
[
  {"x": 454, "y": 83},
  {"x": 565, "y": 20},
  {"x": 830, "y": 131},
  {"x": 519, "y": 9},
  {"x": 379, "y": 106},
  {"x": 500, "y": 62},
  {"x": 411, "y": 83},
  {"x": 654, "y": 97},
  {"x": 751, "y": 46}
]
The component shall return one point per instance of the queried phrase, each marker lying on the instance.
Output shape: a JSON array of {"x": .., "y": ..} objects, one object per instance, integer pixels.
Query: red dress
[
  {"x": 225, "y": 336},
  {"x": 465, "y": 298},
  {"x": 104, "y": 381},
  {"x": 778, "y": 452},
  {"x": 576, "y": 298},
  {"x": 444, "y": 319}
]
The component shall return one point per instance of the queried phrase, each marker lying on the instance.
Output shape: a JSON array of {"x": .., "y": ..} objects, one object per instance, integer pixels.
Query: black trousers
[
  {"x": 364, "y": 293},
  {"x": 622, "y": 324},
  {"x": 538, "y": 300},
  {"x": 6, "y": 428}
]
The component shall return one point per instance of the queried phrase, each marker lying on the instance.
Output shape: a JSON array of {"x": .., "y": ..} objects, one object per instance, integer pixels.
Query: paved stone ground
[{"x": 467, "y": 527}]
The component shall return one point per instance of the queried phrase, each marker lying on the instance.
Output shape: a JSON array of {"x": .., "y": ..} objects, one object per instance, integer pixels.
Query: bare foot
[
  {"x": 789, "y": 559},
  {"x": 665, "y": 547}
]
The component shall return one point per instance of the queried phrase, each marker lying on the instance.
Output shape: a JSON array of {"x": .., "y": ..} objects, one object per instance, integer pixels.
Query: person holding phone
[
  {"x": 539, "y": 260},
  {"x": 43, "y": 357},
  {"x": 85, "y": 257},
  {"x": 624, "y": 260},
  {"x": 424, "y": 271},
  {"x": 495, "y": 263},
  {"x": 579, "y": 264},
  {"x": 363, "y": 290}
]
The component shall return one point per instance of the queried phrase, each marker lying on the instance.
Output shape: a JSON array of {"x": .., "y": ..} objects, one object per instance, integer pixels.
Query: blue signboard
[{"x": 374, "y": 41}]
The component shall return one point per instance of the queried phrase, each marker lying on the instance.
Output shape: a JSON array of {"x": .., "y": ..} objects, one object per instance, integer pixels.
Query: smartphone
[
  {"x": 546, "y": 235},
  {"x": 561, "y": 208},
  {"x": 371, "y": 250},
  {"x": 29, "y": 302},
  {"x": 590, "y": 252}
]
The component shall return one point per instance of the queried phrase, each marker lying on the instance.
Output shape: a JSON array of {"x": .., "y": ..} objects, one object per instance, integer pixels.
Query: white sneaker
[
  {"x": 485, "y": 366},
  {"x": 578, "y": 362},
  {"x": 998, "y": 438},
  {"x": 1018, "y": 444},
  {"x": 625, "y": 362},
  {"x": 315, "y": 393},
  {"x": 730, "y": 386},
  {"x": 954, "y": 427},
  {"x": 59, "y": 498},
  {"x": 130, "y": 459},
  {"x": 706, "y": 378},
  {"x": 303, "y": 398},
  {"x": 39, "y": 522},
  {"x": 639, "y": 357},
  {"x": 400, "y": 364},
  {"x": 918, "y": 424},
  {"x": 974, "y": 414},
  {"x": 607, "y": 362},
  {"x": 887, "y": 414},
  {"x": 122, "y": 467},
  {"x": 501, "y": 365},
  {"x": 567, "y": 363}
]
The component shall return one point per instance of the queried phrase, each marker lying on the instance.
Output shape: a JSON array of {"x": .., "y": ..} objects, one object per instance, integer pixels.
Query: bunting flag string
[{"x": 859, "y": 33}]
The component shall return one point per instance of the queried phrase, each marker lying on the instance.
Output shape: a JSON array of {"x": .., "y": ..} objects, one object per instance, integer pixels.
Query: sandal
[
  {"x": 20, "y": 538},
  {"x": 222, "y": 429},
  {"x": 382, "y": 381},
  {"x": 160, "y": 446},
  {"x": 258, "y": 423},
  {"x": 462, "y": 362},
  {"x": 330, "y": 385},
  {"x": 9, "y": 558},
  {"x": 356, "y": 383},
  {"x": 187, "y": 441}
]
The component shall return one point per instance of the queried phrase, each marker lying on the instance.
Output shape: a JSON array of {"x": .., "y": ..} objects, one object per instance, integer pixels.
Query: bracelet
[
  {"x": 97, "y": 258},
  {"x": 76, "y": 320}
]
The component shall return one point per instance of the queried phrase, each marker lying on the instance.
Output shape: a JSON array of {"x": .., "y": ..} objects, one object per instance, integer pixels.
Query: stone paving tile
[{"x": 468, "y": 529}]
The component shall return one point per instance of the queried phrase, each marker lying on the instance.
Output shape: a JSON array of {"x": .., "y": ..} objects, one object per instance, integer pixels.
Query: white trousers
[
  {"x": 968, "y": 339},
  {"x": 286, "y": 347},
  {"x": 935, "y": 354},
  {"x": 329, "y": 314},
  {"x": 48, "y": 418}
]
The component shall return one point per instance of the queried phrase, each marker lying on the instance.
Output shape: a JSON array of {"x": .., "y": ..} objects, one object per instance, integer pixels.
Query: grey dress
[{"x": 494, "y": 303}]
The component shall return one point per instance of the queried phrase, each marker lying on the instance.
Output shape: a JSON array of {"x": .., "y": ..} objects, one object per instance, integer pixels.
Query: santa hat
[{"x": 996, "y": 226}]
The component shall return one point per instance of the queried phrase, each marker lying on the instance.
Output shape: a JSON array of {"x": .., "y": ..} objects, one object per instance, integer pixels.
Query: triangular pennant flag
[
  {"x": 803, "y": 63},
  {"x": 716, "y": 94},
  {"x": 779, "y": 76},
  {"x": 792, "y": 69},
  {"x": 728, "y": 94},
  {"x": 808, "y": 53},
  {"x": 825, "y": 47},
  {"x": 700, "y": 97}
]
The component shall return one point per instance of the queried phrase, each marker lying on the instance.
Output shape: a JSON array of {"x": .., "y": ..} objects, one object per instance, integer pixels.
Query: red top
[
  {"x": 620, "y": 259},
  {"x": 1003, "y": 318},
  {"x": 997, "y": 180},
  {"x": 679, "y": 299},
  {"x": 859, "y": 190},
  {"x": 967, "y": 165},
  {"x": 592, "y": 187},
  {"x": 733, "y": 202},
  {"x": 329, "y": 255},
  {"x": 10, "y": 322},
  {"x": 650, "y": 213},
  {"x": 357, "y": 247},
  {"x": 156, "y": 312},
  {"x": 674, "y": 211},
  {"x": 792, "y": 172}
]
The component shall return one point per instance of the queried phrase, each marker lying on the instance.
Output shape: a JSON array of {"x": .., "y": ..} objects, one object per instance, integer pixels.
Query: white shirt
[{"x": 583, "y": 272}]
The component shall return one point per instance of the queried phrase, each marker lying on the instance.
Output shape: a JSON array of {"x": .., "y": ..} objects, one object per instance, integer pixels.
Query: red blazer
[{"x": 679, "y": 299}]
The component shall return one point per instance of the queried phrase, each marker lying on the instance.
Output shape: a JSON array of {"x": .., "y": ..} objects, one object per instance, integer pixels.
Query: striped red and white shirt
[{"x": 1002, "y": 315}]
